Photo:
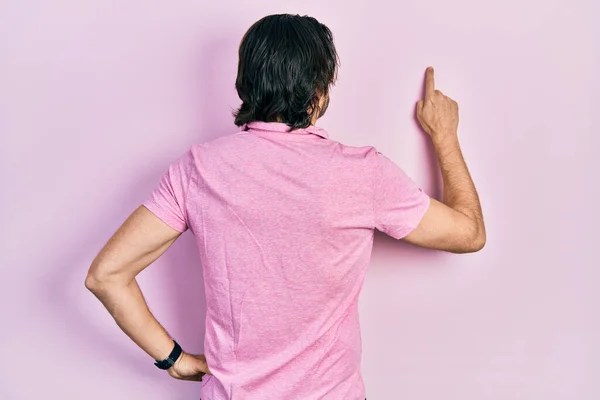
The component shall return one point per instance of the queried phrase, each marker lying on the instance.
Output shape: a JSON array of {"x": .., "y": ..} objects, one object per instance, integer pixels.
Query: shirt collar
[{"x": 281, "y": 127}]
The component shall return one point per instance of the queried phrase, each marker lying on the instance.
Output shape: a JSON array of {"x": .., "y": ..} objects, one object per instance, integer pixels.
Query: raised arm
[{"x": 456, "y": 225}]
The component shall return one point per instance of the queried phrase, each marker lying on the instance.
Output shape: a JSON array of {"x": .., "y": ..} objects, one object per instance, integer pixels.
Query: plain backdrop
[{"x": 98, "y": 97}]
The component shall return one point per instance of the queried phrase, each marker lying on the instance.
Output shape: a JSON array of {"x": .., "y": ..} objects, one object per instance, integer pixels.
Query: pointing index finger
[{"x": 429, "y": 83}]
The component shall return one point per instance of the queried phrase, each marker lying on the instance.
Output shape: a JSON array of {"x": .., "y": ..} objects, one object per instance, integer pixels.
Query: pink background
[{"x": 97, "y": 97}]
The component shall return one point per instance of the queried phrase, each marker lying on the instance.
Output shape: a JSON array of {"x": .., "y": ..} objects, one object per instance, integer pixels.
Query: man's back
[
  {"x": 284, "y": 222},
  {"x": 284, "y": 219}
]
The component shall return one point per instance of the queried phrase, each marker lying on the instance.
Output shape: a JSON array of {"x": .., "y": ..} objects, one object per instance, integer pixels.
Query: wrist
[
  {"x": 445, "y": 141},
  {"x": 181, "y": 359},
  {"x": 174, "y": 356}
]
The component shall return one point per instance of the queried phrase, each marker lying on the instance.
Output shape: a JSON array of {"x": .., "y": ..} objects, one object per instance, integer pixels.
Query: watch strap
[{"x": 170, "y": 360}]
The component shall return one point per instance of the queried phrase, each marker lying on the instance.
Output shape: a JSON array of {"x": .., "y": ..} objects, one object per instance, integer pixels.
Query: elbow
[
  {"x": 93, "y": 283},
  {"x": 478, "y": 240},
  {"x": 478, "y": 243},
  {"x": 98, "y": 280},
  {"x": 473, "y": 243}
]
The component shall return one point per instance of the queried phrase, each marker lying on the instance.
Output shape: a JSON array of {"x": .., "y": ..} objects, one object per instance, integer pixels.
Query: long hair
[{"x": 287, "y": 63}]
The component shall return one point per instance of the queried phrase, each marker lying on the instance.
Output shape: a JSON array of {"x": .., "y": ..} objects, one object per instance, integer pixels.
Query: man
[{"x": 284, "y": 218}]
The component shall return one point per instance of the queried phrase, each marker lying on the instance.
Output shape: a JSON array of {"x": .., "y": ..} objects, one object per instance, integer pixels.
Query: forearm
[
  {"x": 126, "y": 304},
  {"x": 459, "y": 190}
]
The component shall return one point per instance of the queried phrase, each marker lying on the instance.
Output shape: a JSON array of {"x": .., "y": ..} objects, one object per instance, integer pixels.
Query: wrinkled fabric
[{"x": 284, "y": 223}]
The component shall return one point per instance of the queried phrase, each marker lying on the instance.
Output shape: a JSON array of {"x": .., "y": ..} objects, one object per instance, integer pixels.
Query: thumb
[
  {"x": 419, "y": 109},
  {"x": 195, "y": 364}
]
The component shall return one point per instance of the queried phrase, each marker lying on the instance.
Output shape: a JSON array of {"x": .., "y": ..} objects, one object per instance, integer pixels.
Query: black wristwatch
[{"x": 170, "y": 360}]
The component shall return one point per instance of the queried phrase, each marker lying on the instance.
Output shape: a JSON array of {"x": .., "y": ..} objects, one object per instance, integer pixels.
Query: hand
[
  {"x": 437, "y": 113},
  {"x": 189, "y": 367}
]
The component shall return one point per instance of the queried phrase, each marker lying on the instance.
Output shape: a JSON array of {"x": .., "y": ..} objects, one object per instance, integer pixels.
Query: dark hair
[{"x": 286, "y": 63}]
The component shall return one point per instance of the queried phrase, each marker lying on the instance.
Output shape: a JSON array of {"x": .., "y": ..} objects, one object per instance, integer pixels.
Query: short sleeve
[
  {"x": 398, "y": 203},
  {"x": 168, "y": 200}
]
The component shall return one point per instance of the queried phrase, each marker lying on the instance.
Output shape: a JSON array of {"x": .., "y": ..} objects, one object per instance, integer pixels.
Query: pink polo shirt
[{"x": 284, "y": 223}]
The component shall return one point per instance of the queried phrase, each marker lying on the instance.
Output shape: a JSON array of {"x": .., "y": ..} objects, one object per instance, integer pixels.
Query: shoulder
[
  {"x": 227, "y": 140},
  {"x": 369, "y": 159},
  {"x": 365, "y": 153}
]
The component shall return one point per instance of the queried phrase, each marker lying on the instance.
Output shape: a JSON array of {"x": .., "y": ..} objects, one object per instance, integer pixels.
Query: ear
[
  {"x": 319, "y": 103},
  {"x": 314, "y": 106}
]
